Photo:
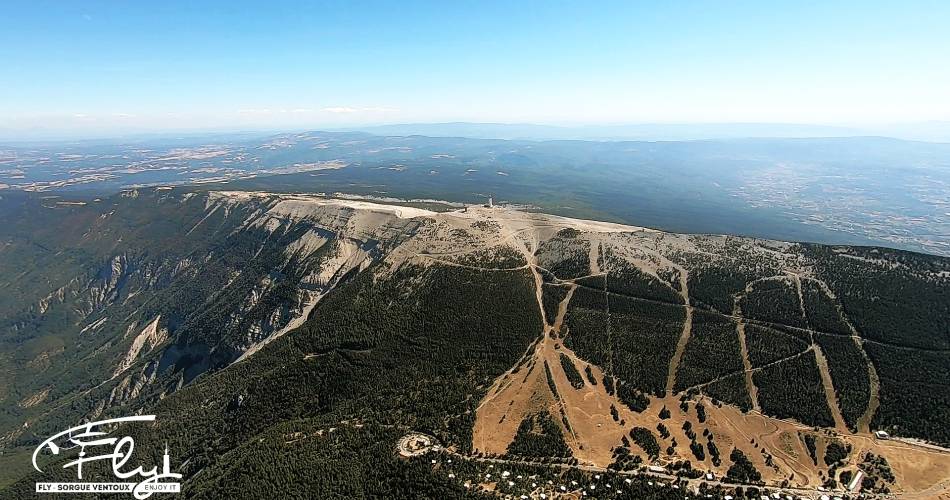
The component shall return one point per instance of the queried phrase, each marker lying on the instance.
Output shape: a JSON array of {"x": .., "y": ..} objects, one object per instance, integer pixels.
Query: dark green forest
[
  {"x": 712, "y": 351},
  {"x": 637, "y": 335},
  {"x": 645, "y": 439},
  {"x": 742, "y": 470},
  {"x": 573, "y": 376},
  {"x": 849, "y": 375},
  {"x": 421, "y": 361},
  {"x": 775, "y": 301},
  {"x": 766, "y": 345},
  {"x": 821, "y": 311},
  {"x": 730, "y": 389},
  {"x": 551, "y": 297},
  {"x": 792, "y": 389},
  {"x": 625, "y": 279},
  {"x": 915, "y": 394},
  {"x": 539, "y": 436}
]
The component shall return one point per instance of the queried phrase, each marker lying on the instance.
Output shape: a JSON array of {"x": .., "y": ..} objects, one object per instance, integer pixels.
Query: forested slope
[{"x": 243, "y": 317}]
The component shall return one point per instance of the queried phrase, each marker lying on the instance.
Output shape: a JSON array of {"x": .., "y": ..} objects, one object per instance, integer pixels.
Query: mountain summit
[{"x": 242, "y": 318}]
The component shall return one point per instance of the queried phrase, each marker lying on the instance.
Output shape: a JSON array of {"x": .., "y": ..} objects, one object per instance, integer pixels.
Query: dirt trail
[
  {"x": 801, "y": 298},
  {"x": 513, "y": 397},
  {"x": 864, "y": 422},
  {"x": 595, "y": 251},
  {"x": 468, "y": 266},
  {"x": 538, "y": 282},
  {"x": 940, "y": 490},
  {"x": 532, "y": 261},
  {"x": 583, "y": 413},
  {"x": 610, "y": 338},
  {"x": 830, "y": 394},
  {"x": 753, "y": 370},
  {"x": 547, "y": 354},
  {"x": 594, "y": 257},
  {"x": 754, "y": 426},
  {"x": 747, "y": 365},
  {"x": 684, "y": 337},
  {"x": 562, "y": 311},
  {"x": 592, "y": 433}
]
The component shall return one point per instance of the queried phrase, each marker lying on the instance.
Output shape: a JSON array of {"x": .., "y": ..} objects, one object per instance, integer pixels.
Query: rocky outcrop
[{"x": 148, "y": 339}]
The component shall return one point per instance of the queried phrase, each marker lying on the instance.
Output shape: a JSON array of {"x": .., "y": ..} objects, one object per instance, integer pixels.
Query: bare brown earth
[
  {"x": 829, "y": 388},
  {"x": 592, "y": 433},
  {"x": 746, "y": 364}
]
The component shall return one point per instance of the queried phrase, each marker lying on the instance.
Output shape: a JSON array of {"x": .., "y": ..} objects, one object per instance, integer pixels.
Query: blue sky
[{"x": 179, "y": 65}]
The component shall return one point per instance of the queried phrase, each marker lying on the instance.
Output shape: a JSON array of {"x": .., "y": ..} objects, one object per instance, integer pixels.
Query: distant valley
[{"x": 848, "y": 190}]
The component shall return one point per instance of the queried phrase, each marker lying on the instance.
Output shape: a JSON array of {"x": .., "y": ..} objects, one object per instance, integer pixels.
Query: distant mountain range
[
  {"x": 930, "y": 131},
  {"x": 920, "y": 131}
]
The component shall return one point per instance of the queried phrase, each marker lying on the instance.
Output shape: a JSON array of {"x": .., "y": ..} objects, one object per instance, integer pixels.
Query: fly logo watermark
[{"x": 94, "y": 442}]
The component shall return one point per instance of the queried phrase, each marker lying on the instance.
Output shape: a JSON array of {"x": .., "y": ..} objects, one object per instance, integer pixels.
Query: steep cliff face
[{"x": 149, "y": 290}]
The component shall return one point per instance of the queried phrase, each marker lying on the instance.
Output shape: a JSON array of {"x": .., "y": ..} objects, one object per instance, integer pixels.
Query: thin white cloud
[
  {"x": 379, "y": 109},
  {"x": 262, "y": 111},
  {"x": 336, "y": 110},
  {"x": 277, "y": 111},
  {"x": 363, "y": 109},
  {"x": 341, "y": 109}
]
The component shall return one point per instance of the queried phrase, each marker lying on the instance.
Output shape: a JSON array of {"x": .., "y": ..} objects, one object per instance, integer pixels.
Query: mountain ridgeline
[{"x": 252, "y": 323}]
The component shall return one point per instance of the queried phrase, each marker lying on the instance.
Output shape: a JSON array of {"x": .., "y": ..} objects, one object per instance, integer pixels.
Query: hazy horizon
[{"x": 930, "y": 131}]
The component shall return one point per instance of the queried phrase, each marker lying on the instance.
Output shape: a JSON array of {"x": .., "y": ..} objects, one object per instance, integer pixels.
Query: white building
[{"x": 855, "y": 485}]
